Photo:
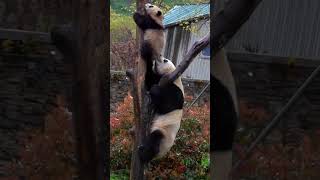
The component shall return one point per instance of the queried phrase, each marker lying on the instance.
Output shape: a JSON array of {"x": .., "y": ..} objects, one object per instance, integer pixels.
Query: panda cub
[
  {"x": 168, "y": 103},
  {"x": 153, "y": 40}
]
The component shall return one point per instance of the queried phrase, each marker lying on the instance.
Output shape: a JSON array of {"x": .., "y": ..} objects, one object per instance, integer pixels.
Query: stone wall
[
  {"x": 28, "y": 89},
  {"x": 120, "y": 87},
  {"x": 38, "y": 15}
]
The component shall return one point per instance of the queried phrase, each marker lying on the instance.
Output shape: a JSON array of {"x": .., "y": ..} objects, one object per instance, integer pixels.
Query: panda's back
[
  {"x": 156, "y": 38},
  {"x": 167, "y": 99}
]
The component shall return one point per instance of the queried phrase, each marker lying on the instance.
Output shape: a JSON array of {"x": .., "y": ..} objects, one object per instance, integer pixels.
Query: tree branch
[
  {"x": 196, "y": 48},
  {"x": 228, "y": 21}
]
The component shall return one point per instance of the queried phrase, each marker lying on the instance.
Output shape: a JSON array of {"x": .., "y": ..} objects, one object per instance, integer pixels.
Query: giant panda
[
  {"x": 224, "y": 116},
  {"x": 151, "y": 23},
  {"x": 167, "y": 102}
]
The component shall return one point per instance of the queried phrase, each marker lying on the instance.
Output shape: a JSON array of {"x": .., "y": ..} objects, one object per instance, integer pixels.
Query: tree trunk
[
  {"x": 142, "y": 111},
  {"x": 89, "y": 91}
]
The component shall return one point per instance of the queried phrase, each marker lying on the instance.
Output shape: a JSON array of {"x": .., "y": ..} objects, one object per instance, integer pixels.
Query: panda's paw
[
  {"x": 144, "y": 154},
  {"x": 137, "y": 17},
  {"x": 141, "y": 152}
]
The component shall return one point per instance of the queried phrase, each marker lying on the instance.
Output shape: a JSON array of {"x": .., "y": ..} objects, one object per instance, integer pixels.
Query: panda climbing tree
[{"x": 157, "y": 90}]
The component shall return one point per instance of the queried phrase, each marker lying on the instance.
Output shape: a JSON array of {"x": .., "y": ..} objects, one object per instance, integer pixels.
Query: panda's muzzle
[{"x": 159, "y": 59}]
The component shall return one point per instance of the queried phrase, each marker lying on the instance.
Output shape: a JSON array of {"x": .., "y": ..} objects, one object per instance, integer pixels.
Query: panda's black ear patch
[{"x": 159, "y": 13}]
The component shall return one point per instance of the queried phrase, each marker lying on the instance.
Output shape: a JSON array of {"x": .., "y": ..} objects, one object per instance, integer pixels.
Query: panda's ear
[{"x": 159, "y": 13}]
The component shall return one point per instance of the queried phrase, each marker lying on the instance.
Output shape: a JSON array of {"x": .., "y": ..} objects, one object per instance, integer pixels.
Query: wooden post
[{"x": 90, "y": 96}]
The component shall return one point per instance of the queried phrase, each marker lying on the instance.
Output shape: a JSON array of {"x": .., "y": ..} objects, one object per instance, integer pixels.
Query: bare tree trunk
[
  {"x": 89, "y": 91},
  {"x": 142, "y": 109}
]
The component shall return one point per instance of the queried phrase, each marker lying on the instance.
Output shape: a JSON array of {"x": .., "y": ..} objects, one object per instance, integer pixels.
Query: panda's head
[
  {"x": 164, "y": 66},
  {"x": 154, "y": 12}
]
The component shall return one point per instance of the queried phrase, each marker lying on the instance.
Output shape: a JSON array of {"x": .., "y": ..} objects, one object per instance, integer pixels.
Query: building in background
[
  {"x": 286, "y": 28},
  {"x": 179, "y": 40}
]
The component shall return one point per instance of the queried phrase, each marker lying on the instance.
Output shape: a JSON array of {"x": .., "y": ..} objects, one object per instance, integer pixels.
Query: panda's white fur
[
  {"x": 155, "y": 36},
  {"x": 169, "y": 125},
  {"x": 153, "y": 10},
  {"x": 156, "y": 39},
  {"x": 151, "y": 23}
]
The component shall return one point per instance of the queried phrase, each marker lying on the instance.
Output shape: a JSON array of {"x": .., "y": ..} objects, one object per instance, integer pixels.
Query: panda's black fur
[
  {"x": 151, "y": 24},
  {"x": 145, "y": 22},
  {"x": 166, "y": 99},
  {"x": 224, "y": 115}
]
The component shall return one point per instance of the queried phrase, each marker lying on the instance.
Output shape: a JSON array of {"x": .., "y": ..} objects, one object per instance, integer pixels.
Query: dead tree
[
  {"x": 85, "y": 43},
  {"x": 142, "y": 114},
  {"x": 141, "y": 100}
]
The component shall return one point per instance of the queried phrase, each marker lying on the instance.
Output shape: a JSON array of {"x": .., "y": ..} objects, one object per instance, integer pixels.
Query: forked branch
[{"x": 196, "y": 48}]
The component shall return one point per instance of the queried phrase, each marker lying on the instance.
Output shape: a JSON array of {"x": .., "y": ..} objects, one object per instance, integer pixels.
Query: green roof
[{"x": 181, "y": 13}]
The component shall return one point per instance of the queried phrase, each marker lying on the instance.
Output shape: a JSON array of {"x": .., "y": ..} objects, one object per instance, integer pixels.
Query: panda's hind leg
[{"x": 150, "y": 148}]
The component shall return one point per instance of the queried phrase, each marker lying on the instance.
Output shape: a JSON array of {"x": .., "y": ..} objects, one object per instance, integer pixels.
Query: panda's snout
[{"x": 165, "y": 61}]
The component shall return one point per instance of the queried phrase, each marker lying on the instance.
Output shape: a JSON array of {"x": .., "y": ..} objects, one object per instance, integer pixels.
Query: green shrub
[{"x": 122, "y": 27}]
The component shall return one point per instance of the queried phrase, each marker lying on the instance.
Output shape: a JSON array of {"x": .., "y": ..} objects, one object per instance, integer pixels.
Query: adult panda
[
  {"x": 151, "y": 23},
  {"x": 224, "y": 116},
  {"x": 168, "y": 103}
]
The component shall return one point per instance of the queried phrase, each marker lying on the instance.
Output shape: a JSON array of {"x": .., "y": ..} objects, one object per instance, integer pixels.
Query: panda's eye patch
[
  {"x": 165, "y": 61},
  {"x": 151, "y": 6},
  {"x": 159, "y": 13}
]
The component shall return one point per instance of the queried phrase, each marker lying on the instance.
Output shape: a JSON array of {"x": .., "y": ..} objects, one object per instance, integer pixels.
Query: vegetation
[
  {"x": 188, "y": 158},
  {"x": 122, "y": 27}
]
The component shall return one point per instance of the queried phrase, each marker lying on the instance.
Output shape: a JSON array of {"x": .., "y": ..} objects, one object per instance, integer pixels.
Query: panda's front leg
[{"x": 139, "y": 19}]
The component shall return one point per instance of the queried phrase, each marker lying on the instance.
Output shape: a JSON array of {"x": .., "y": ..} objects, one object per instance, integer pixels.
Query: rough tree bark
[
  {"x": 90, "y": 95},
  {"x": 86, "y": 43},
  {"x": 142, "y": 111}
]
